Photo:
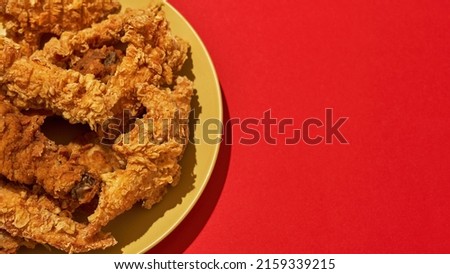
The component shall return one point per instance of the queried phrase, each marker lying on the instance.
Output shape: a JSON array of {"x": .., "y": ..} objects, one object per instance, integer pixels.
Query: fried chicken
[
  {"x": 28, "y": 157},
  {"x": 9, "y": 244},
  {"x": 131, "y": 48},
  {"x": 152, "y": 149},
  {"x": 10, "y": 52},
  {"x": 97, "y": 157},
  {"x": 119, "y": 76},
  {"x": 39, "y": 219},
  {"x": 30, "y": 20}
]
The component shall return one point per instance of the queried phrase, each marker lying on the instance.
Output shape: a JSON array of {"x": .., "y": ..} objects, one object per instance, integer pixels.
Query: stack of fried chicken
[{"x": 89, "y": 64}]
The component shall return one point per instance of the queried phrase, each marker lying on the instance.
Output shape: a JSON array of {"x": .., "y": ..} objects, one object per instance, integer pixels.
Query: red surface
[{"x": 386, "y": 66}]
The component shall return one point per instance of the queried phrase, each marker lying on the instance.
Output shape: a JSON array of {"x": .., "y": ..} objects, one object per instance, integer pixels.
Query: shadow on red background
[{"x": 181, "y": 238}]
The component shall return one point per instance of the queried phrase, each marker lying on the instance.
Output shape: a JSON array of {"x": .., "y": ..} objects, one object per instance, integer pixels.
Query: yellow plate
[{"x": 139, "y": 230}]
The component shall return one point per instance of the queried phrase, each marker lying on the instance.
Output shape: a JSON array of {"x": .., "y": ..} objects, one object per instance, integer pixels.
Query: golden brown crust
[
  {"x": 29, "y": 20},
  {"x": 28, "y": 157},
  {"x": 152, "y": 56},
  {"x": 8, "y": 244},
  {"x": 96, "y": 157},
  {"x": 127, "y": 63},
  {"x": 41, "y": 220},
  {"x": 10, "y": 51},
  {"x": 152, "y": 150}
]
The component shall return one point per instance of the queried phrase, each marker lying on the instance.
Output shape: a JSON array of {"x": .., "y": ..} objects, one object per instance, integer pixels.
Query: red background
[{"x": 386, "y": 66}]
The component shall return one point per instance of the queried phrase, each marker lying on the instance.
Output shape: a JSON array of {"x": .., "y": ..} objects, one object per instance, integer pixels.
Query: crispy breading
[
  {"x": 28, "y": 157},
  {"x": 121, "y": 72},
  {"x": 39, "y": 219},
  {"x": 30, "y": 19},
  {"x": 10, "y": 51},
  {"x": 10, "y": 244},
  {"x": 94, "y": 155},
  {"x": 31, "y": 84},
  {"x": 152, "y": 55},
  {"x": 152, "y": 149}
]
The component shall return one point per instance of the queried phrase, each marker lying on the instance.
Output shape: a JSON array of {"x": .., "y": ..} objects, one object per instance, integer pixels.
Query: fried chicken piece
[
  {"x": 31, "y": 84},
  {"x": 9, "y": 244},
  {"x": 10, "y": 51},
  {"x": 54, "y": 78},
  {"x": 28, "y": 157},
  {"x": 153, "y": 54},
  {"x": 97, "y": 157},
  {"x": 152, "y": 149},
  {"x": 39, "y": 219},
  {"x": 128, "y": 62},
  {"x": 101, "y": 62},
  {"x": 29, "y": 20}
]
